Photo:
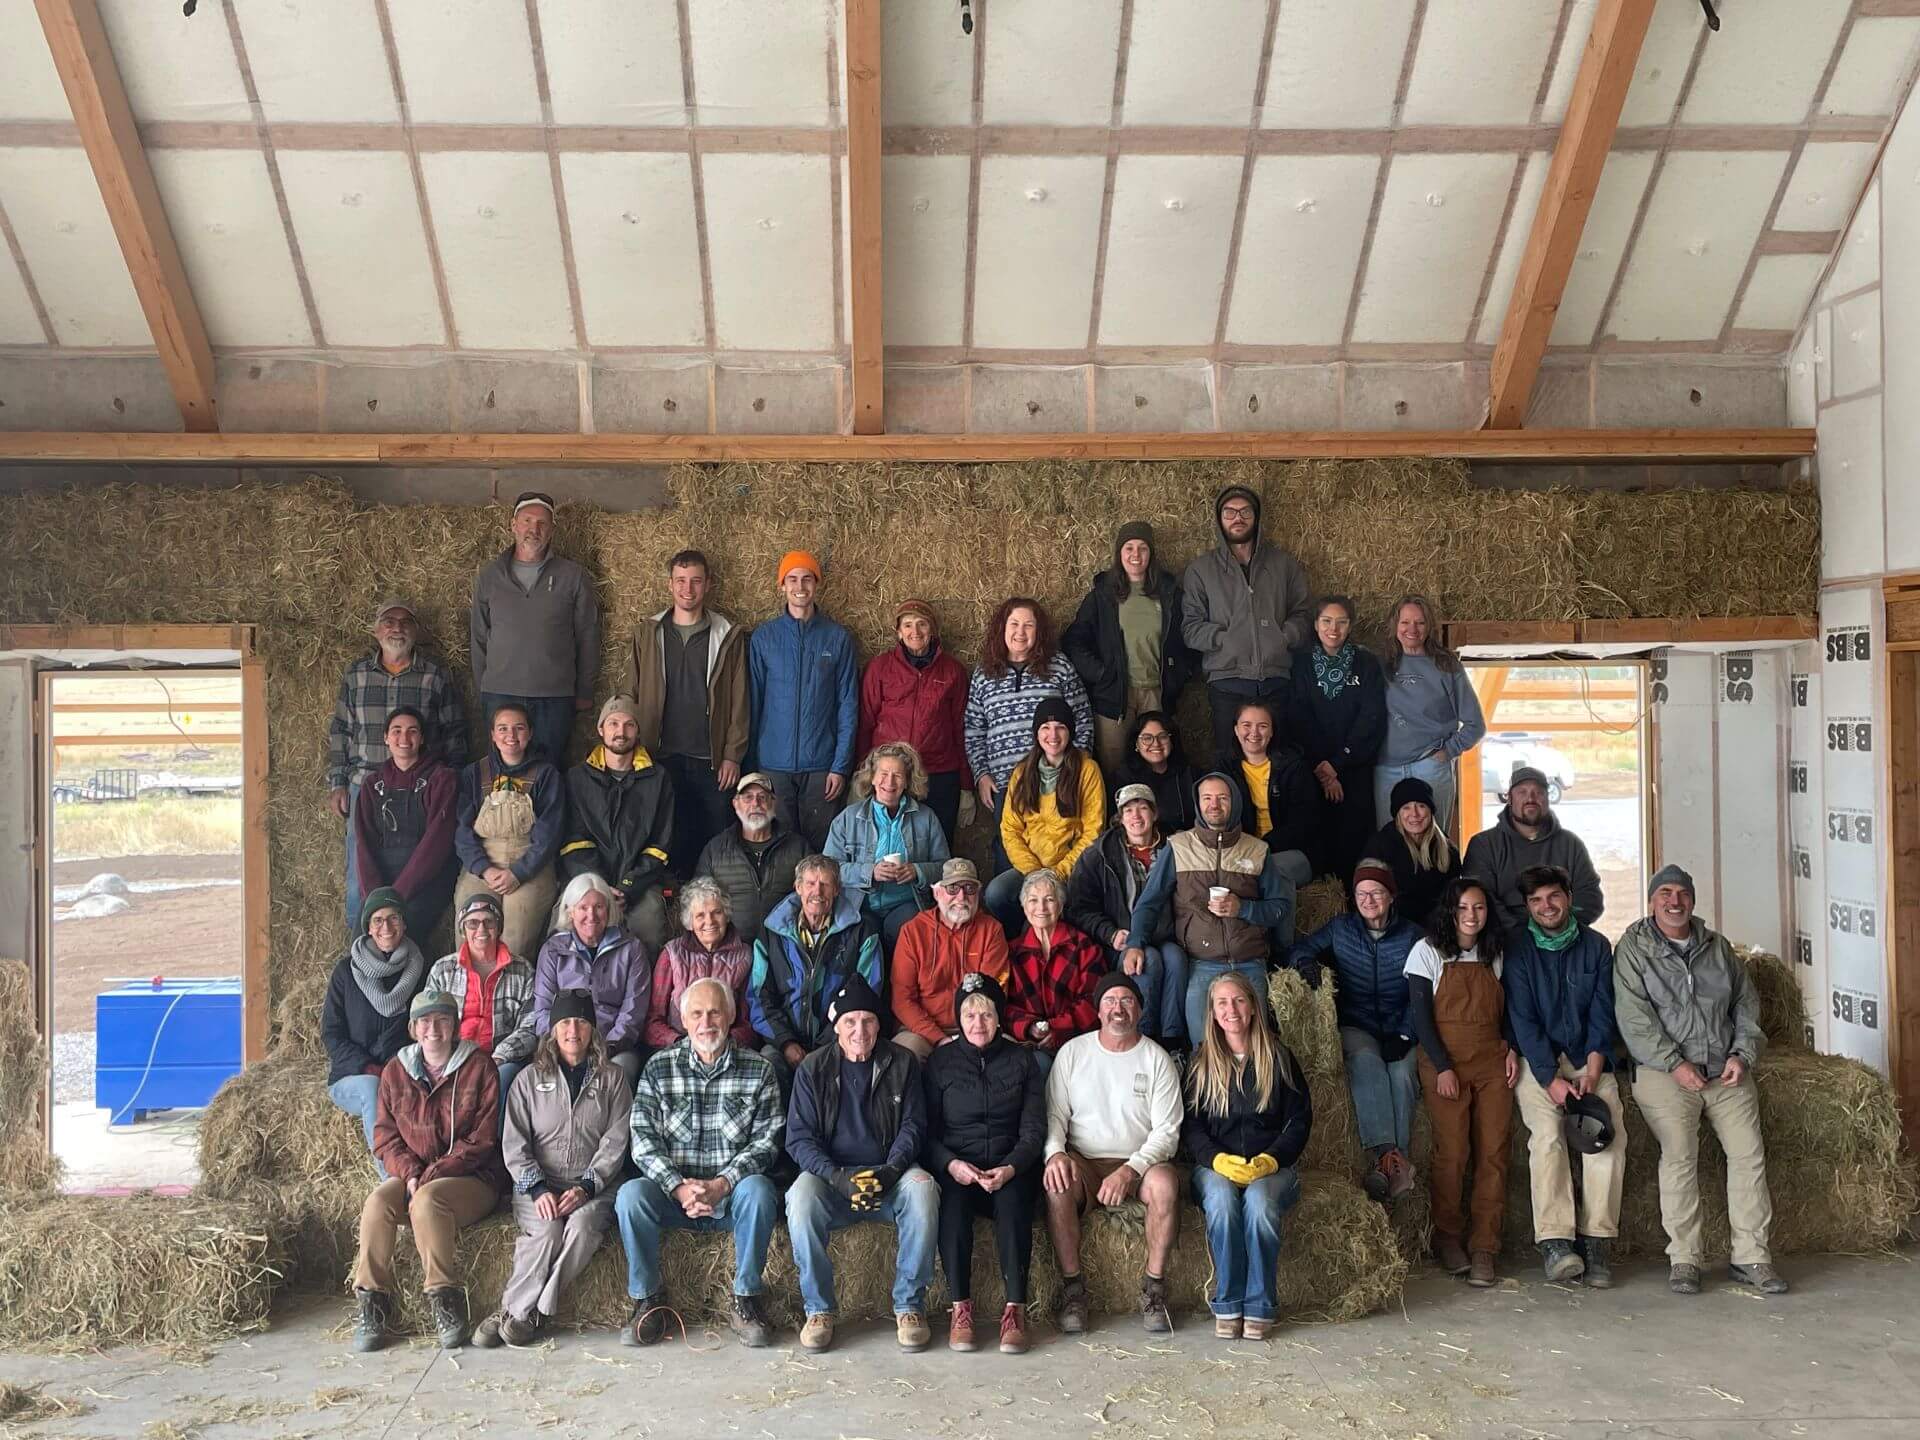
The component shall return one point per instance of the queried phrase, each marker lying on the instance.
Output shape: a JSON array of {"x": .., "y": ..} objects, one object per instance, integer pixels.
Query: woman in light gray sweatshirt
[{"x": 1433, "y": 715}]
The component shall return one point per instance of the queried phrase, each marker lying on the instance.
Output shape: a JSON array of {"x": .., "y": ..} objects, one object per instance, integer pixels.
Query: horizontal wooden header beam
[
  {"x": 128, "y": 637},
  {"x": 1559, "y": 446},
  {"x": 1704, "y": 631}
]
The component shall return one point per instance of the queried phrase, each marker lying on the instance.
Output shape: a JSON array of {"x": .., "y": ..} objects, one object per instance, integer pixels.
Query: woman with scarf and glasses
[
  {"x": 1337, "y": 715},
  {"x": 364, "y": 1021}
]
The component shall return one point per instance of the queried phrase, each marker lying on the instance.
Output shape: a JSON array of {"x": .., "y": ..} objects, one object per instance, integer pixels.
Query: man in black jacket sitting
[
  {"x": 1101, "y": 892},
  {"x": 620, "y": 822}
]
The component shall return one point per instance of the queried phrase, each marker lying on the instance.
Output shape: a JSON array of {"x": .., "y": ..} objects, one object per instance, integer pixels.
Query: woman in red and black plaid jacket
[{"x": 1051, "y": 971}]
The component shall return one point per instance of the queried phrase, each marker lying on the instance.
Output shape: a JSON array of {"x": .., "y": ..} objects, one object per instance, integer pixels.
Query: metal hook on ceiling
[
  {"x": 966, "y": 17},
  {"x": 1713, "y": 18}
]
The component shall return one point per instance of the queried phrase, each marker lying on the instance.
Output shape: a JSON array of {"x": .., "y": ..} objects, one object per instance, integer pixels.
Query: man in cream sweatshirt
[{"x": 1113, "y": 1121}]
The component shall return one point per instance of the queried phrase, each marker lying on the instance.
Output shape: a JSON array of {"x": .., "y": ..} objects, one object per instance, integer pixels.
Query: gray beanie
[{"x": 1670, "y": 875}]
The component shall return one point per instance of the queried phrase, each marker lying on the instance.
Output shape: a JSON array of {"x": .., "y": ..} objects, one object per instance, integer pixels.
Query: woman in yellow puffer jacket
[{"x": 1056, "y": 807}]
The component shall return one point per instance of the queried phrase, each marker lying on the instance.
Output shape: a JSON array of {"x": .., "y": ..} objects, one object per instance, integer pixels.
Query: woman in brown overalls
[
  {"x": 513, "y": 812},
  {"x": 1467, "y": 1072}
]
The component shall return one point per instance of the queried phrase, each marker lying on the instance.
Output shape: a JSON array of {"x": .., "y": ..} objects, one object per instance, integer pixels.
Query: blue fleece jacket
[
  {"x": 805, "y": 694},
  {"x": 1370, "y": 971},
  {"x": 1560, "y": 1003}
]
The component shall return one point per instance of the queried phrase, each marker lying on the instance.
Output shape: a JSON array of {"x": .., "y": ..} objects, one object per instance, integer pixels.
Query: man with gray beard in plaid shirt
[{"x": 706, "y": 1129}]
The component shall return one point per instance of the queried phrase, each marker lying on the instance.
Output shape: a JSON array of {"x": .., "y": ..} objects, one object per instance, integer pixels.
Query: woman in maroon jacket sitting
[{"x": 916, "y": 692}]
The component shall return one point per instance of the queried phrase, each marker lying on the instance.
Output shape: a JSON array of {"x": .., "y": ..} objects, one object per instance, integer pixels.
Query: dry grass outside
[{"x": 151, "y": 825}]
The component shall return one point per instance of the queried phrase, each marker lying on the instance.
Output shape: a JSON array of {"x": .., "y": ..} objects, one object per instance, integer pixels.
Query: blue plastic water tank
[{"x": 164, "y": 1046}]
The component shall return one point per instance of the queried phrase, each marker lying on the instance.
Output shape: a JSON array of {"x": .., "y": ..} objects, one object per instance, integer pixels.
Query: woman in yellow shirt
[{"x": 1056, "y": 806}]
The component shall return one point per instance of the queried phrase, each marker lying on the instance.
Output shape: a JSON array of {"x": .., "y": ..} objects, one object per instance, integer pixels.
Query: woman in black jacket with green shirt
[{"x": 1337, "y": 715}]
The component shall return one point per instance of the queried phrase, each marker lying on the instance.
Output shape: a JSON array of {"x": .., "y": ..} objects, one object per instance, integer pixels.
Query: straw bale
[
  {"x": 273, "y": 1124},
  {"x": 1317, "y": 903},
  {"x": 25, "y": 1165},
  {"x": 1783, "y": 1005},
  {"x": 138, "y": 1268}
]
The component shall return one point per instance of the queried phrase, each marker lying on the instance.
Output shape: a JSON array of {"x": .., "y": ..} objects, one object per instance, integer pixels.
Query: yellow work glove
[
  {"x": 1260, "y": 1166},
  {"x": 867, "y": 1188},
  {"x": 1234, "y": 1167}
]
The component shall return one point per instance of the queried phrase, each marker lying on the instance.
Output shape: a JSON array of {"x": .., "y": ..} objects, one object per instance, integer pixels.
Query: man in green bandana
[{"x": 1559, "y": 984}]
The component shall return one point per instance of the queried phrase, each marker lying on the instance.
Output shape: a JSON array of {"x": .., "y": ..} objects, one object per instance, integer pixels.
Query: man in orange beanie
[{"x": 805, "y": 702}]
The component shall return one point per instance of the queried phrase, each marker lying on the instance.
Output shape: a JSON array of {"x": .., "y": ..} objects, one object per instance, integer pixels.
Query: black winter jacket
[
  {"x": 1096, "y": 648},
  {"x": 1415, "y": 892},
  {"x": 896, "y": 1107},
  {"x": 1172, "y": 791},
  {"x": 754, "y": 889},
  {"x": 1293, "y": 801},
  {"x": 1101, "y": 891},
  {"x": 618, "y": 825},
  {"x": 357, "y": 1035},
  {"x": 1346, "y": 730},
  {"x": 986, "y": 1107},
  {"x": 1280, "y": 1128}
]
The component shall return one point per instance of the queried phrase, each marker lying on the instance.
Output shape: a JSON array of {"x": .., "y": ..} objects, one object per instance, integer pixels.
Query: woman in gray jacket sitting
[{"x": 565, "y": 1141}]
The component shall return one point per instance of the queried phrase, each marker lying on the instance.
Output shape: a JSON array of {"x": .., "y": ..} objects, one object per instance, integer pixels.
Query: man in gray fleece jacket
[
  {"x": 1525, "y": 835},
  {"x": 1245, "y": 608},
  {"x": 535, "y": 630}
]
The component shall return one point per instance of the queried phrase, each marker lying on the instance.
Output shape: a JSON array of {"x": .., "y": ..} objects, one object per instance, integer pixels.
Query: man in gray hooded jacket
[{"x": 1245, "y": 608}]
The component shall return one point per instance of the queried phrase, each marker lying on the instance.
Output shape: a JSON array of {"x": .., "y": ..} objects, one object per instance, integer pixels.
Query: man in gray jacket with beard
[{"x": 1245, "y": 609}]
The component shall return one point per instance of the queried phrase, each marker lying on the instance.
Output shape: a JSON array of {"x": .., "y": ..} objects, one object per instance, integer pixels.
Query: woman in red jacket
[{"x": 916, "y": 692}]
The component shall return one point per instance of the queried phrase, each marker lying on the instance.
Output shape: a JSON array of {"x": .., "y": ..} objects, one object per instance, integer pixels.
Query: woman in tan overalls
[
  {"x": 1467, "y": 1072},
  {"x": 513, "y": 812}
]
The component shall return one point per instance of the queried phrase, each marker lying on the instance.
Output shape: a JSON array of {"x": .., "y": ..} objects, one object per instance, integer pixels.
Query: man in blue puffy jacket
[{"x": 806, "y": 705}]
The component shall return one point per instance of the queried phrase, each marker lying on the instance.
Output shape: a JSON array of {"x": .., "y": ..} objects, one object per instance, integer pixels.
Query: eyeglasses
[{"x": 1147, "y": 737}]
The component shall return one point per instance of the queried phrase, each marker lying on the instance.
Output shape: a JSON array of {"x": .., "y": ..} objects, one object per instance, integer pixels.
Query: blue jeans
[
  {"x": 1437, "y": 773},
  {"x": 551, "y": 717},
  {"x": 912, "y": 1207},
  {"x": 358, "y": 1095},
  {"x": 1163, "y": 981},
  {"x": 508, "y": 1069},
  {"x": 1205, "y": 972},
  {"x": 1001, "y": 899},
  {"x": 1384, "y": 1091},
  {"x": 354, "y": 898},
  {"x": 1243, "y": 1234},
  {"x": 644, "y": 1211},
  {"x": 1290, "y": 869}
]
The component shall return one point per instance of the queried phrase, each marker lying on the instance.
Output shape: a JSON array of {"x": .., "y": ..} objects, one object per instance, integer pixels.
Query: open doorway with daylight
[
  {"x": 1583, "y": 726},
  {"x": 148, "y": 781}
]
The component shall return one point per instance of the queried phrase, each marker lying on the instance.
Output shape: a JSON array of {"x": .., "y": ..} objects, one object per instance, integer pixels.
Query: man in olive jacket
[{"x": 1691, "y": 1020}]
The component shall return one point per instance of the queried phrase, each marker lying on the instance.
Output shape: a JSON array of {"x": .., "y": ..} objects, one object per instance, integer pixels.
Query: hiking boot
[
  {"x": 487, "y": 1333},
  {"x": 647, "y": 1325},
  {"x": 1377, "y": 1183},
  {"x": 749, "y": 1321},
  {"x": 1399, "y": 1173},
  {"x": 517, "y": 1332},
  {"x": 1683, "y": 1279},
  {"x": 371, "y": 1322},
  {"x": 1153, "y": 1306},
  {"x": 1598, "y": 1254},
  {"x": 1255, "y": 1328},
  {"x": 1450, "y": 1254},
  {"x": 1013, "y": 1330},
  {"x": 1560, "y": 1261},
  {"x": 911, "y": 1330},
  {"x": 1226, "y": 1327},
  {"x": 1480, "y": 1273},
  {"x": 1762, "y": 1277},
  {"x": 1073, "y": 1305},
  {"x": 960, "y": 1326},
  {"x": 817, "y": 1334},
  {"x": 449, "y": 1306}
]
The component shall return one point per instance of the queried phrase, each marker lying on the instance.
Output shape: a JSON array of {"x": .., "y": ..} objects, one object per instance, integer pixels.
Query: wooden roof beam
[
  {"x": 863, "y": 215},
  {"x": 1593, "y": 115},
  {"x": 98, "y": 99}
]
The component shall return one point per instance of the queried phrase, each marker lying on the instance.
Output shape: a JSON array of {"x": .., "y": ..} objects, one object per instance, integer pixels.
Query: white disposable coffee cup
[
  {"x": 1218, "y": 892},
  {"x": 894, "y": 859}
]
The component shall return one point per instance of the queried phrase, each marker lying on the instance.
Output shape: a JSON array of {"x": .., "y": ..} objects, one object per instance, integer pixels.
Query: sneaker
[
  {"x": 1451, "y": 1254},
  {"x": 1226, "y": 1327},
  {"x": 1013, "y": 1330},
  {"x": 371, "y": 1319},
  {"x": 647, "y": 1325},
  {"x": 449, "y": 1306},
  {"x": 749, "y": 1321},
  {"x": 1256, "y": 1329},
  {"x": 817, "y": 1334},
  {"x": 1377, "y": 1183},
  {"x": 1153, "y": 1306},
  {"x": 1762, "y": 1277},
  {"x": 1598, "y": 1254},
  {"x": 1560, "y": 1261},
  {"x": 1399, "y": 1173},
  {"x": 911, "y": 1330},
  {"x": 1480, "y": 1273},
  {"x": 517, "y": 1332},
  {"x": 1073, "y": 1305},
  {"x": 1683, "y": 1279},
  {"x": 487, "y": 1333},
  {"x": 960, "y": 1326}
]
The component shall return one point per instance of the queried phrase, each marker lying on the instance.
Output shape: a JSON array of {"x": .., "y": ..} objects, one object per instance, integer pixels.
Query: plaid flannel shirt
[
  {"x": 357, "y": 734},
  {"x": 513, "y": 1037},
  {"x": 1055, "y": 985},
  {"x": 706, "y": 1122}
]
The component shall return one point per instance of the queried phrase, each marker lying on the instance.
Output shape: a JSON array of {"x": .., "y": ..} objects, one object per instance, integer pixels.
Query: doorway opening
[{"x": 1583, "y": 727}]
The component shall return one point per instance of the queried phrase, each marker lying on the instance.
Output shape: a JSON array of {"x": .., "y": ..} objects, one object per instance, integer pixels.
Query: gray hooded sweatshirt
[{"x": 1245, "y": 622}]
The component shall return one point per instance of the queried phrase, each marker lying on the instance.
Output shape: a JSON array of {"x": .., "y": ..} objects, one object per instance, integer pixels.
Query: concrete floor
[
  {"x": 161, "y": 1151},
  {"x": 1838, "y": 1358}
]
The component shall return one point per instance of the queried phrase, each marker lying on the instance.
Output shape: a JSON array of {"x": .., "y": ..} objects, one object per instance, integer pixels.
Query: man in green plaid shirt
[{"x": 706, "y": 1128}]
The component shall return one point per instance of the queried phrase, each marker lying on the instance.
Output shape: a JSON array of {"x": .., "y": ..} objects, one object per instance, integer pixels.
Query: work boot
[
  {"x": 1561, "y": 1263},
  {"x": 749, "y": 1321},
  {"x": 1480, "y": 1272},
  {"x": 371, "y": 1322},
  {"x": 911, "y": 1330},
  {"x": 1073, "y": 1305},
  {"x": 1013, "y": 1330},
  {"x": 449, "y": 1306},
  {"x": 1599, "y": 1257},
  {"x": 1153, "y": 1306},
  {"x": 1256, "y": 1328},
  {"x": 960, "y": 1327},
  {"x": 1376, "y": 1182},
  {"x": 517, "y": 1332},
  {"x": 1226, "y": 1327},
  {"x": 487, "y": 1333},
  {"x": 1399, "y": 1173},
  {"x": 1451, "y": 1254},
  {"x": 647, "y": 1325},
  {"x": 1762, "y": 1277},
  {"x": 817, "y": 1334},
  {"x": 1683, "y": 1279}
]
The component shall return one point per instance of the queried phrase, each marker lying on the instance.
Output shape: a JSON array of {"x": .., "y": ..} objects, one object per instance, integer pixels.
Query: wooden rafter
[
  {"x": 863, "y": 215},
  {"x": 105, "y": 121},
  {"x": 1593, "y": 115},
  {"x": 1561, "y": 446}
]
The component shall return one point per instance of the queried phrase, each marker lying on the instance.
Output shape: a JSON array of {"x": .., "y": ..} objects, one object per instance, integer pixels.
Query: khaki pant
[
  {"x": 550, "y": 1254},
  {"x": 918, "y": 1044},
  {"x": 1550, "y": 1167},
  {"x": 1110, "y": 737},
  {"x": 1673, "y": 1114},
  {"x": 438, "y": 1212}
]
